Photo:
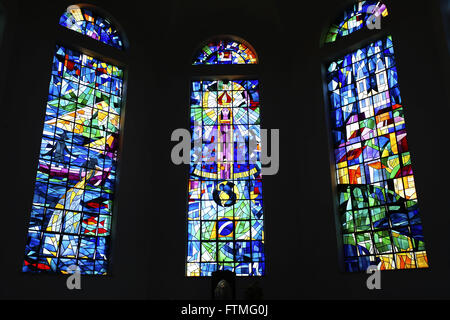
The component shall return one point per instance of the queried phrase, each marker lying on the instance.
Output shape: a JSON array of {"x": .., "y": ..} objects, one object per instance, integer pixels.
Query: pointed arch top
[
  {"x": 354, "y": 18},
  {"x": 225, "y": 50},
  {"x": 89, "y": 21}
]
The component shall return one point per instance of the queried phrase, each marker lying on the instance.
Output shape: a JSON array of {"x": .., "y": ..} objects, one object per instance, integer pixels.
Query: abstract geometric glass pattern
[
  {"x": 225, "y": 52},
  {"x": 84, "y": 21},
  {"x": 225, "y": 215},
  {"x": 355, "y": 18},
  {"x": 70, "y": 220},
  {"x": 378, "y": 206}
]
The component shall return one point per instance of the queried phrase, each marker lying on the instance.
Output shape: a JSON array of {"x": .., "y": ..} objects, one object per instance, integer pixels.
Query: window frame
[
  {"x": 217, "y": 72},
  {"x": 330, "y": 52},
  {"x": 94, "y": 48}
]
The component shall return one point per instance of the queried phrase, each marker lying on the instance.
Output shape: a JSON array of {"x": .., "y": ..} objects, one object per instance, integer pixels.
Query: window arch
[
  {"x": 73, "y": 203},
  {"x": 377, "y": 205},
  {"x": 86, "y": 21},
  {"x": 225, "y": 51},
  {"x": 354, "y": 18},
  {"x": 225, "y": 208}
]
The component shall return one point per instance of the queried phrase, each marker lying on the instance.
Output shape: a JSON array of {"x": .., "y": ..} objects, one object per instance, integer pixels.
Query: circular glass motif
[
  {"x": 225, "y": 227},
  {"x": 225, "y": 194}
]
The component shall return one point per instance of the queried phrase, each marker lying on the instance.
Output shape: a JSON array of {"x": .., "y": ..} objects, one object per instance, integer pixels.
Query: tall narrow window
[
  {"x": 74, "y": 190},
  {"x": 377, "y": 201},
  {"x": 225, "y": 215}
]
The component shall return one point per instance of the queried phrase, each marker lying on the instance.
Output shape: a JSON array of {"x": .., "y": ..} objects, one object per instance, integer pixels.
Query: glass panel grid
[
  {"x": 378, "y": 206},
  {"x": 225, "y": 215},
  {"x": 74, "y": 191}
]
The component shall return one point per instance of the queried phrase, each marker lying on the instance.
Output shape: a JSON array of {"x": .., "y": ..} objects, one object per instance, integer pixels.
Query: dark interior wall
[
  {"x": 445, "y": 8},
  {"x": 2, "y": 21},
  {"x": 150, "y": 230}
]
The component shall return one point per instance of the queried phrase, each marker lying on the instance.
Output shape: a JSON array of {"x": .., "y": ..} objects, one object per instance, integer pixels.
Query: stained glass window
[
  {"x": 355, "y": 18},
  {"x": 74, "y": 190},
  {"x": 85, "y": 21},
  {"x": 378, "y": 204},
  {"x": 225, "y": 215},
  {"x": 225, "y": 52}
]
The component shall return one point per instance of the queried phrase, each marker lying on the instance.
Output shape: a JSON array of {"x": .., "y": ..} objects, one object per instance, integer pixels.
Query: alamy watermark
[
  {"x": 374, "y": 20},
  {"x": 221, "y": 149},
  {"x": 74, "y": 280},
  {"x": 374, "y": 280}
]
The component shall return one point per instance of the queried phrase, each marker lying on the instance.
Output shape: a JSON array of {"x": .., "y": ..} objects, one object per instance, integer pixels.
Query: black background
[{"x": 150, "y": 227}]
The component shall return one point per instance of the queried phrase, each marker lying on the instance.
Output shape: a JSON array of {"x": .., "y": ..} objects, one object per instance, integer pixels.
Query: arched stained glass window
[
  {"x": 225, "y": 51},
  {"x": 225, "y": 214},
  {"x": 377, "y": 203},
  {"x": 85, "y": 21},
  {"x": 355, "y": 18},
  {"x": 72, "y": 206}
]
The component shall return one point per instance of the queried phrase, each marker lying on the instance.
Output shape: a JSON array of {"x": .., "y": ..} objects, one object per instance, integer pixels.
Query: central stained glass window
[{"x": 225, "y": 215}]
